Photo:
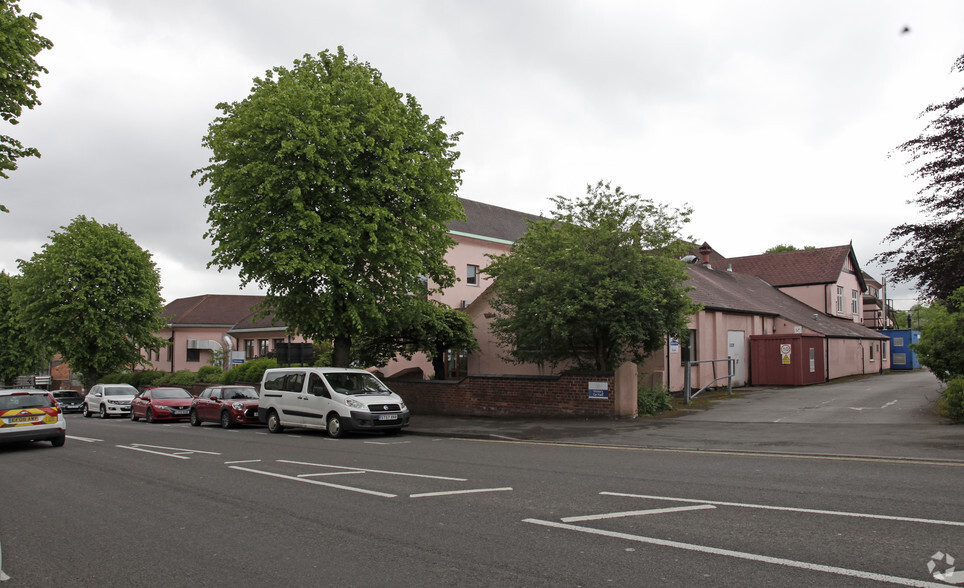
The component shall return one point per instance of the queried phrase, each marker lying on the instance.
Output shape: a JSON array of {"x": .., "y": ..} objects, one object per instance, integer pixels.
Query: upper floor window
[
  {"x": 472, "y": 275},
  {"x": 840, "y": 306},
  {"x": 854, "y": 305}
]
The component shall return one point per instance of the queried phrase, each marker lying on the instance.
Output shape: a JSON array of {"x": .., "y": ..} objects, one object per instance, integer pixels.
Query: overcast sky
[{"x": 773, "y": 120}]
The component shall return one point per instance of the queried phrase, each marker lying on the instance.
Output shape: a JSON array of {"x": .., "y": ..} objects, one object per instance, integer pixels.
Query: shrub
[
  {"x": 653, "y": 399},
  {"x": 209, "y": 374},
  {"x": 951, "y": 402},
  {"x": 249, "y": 371},
  {"x": 181, "y": 378},
  {"x": 118, "y": 378},
  {"x": 145, "y": 378}
]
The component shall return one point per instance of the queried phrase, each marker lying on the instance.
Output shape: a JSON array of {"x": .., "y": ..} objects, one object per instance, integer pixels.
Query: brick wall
[{"x": 509, "y": 396}]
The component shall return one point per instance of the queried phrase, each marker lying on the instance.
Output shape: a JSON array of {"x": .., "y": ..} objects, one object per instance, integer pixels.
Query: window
[
  {"x": 262, "y": 347},
  {"x": 249, "y": 348},
  {"x": 193, "y": 355},
  {"x": 854, "y": 305},
  {"x": 873, "y": 346},
  {"x": 688, "y": 346},
  {"x": 456, "y": 364},
  {"x": 883, "y": 350},
  {"x": 472, "y": 275},
  {"x": 839, "y": 299}
]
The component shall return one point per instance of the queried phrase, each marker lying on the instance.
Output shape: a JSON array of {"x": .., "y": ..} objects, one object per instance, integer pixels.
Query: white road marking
[
  {"x": 323, "y": 474},
  {"x": 174, "y": 449},
  {"x": 323, "y": 465},
  {"x": 243, "y": 461},
  {"x": 316, "y": 482},
  {"x": 792, "y": 509},
  {"x": 84, "y": 439},
  {"x": 154, "y": 452},
  {"x": 387, "y": 442},
  {"x": 891, "y": 403},
  {"x": 477, "y": 490},
  {"x": 635, "y": 513},
  {"x": 740, "y": 555}
]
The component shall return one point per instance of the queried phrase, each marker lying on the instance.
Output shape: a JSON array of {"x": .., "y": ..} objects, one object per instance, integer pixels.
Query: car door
[
  {"x": 94, "y": 398},
  {"x": 139, "y": 403},
  {"x": 318, "y": 401},
  {"x": 205, "y": 404}
]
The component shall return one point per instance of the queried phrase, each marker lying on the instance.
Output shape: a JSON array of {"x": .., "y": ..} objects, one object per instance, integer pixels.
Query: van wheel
[
  {"x": 274, "y": 423},
  {"x": 195, "y": 419},
  {"x": 335, "y": 430},
  {"x": 226, "y": 420}
]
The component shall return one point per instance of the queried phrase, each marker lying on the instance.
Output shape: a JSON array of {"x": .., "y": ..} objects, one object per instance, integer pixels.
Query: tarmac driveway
[{"x": 894, "y": 398}]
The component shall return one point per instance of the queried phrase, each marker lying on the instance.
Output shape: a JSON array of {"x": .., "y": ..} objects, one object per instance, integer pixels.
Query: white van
[{"x": 332, "y": 399}]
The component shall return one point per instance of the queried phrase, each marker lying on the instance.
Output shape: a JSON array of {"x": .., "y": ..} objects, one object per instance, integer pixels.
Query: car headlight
[
  {"x": 351, "y": 402},
  {"x": 237, "y": 406},
  {"x": 401, "y": 406}
]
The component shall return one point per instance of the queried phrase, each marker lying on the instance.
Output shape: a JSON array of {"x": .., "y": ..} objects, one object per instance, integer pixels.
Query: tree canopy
[
  {"x": 598, "y": 284},
  {"x": 20, "y": 354},
  {"x": 331, "y": 190},
  {"x": 93, "y": 296},
  {"x": 942, "y": 338},
  {"x": 930, "y": 254},
  {"x": 19, "y": 72},
  {"x": 786, "y": 247}
]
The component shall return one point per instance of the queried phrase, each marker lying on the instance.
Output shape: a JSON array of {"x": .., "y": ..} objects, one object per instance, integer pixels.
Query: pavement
[{"x": 686, "y": 429}]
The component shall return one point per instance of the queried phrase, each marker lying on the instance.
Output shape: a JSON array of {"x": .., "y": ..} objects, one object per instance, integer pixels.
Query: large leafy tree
[
  {"x": 20, "y": 354},
  {"x": 942, "y": 338},
  {"x": 19, "y": 72},
  {"x": 931, "y": 253},
  {"x": 331, "y": 190},
  {"x": 93, "y": 296},
  {"x": 598, "y": 284}
]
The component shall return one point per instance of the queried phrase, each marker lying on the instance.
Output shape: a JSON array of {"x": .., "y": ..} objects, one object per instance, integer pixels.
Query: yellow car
[{"x": 31, "y": 415}]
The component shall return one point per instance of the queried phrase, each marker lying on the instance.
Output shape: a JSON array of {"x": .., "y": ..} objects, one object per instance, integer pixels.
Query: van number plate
[{"x": 388, "y": 417}]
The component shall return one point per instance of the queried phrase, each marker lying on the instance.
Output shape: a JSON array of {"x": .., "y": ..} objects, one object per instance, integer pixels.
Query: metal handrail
[{"x": 688, "y": 395}]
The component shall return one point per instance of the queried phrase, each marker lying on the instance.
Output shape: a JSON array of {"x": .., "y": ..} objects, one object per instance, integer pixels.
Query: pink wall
[{"x": 179, "y": 350}]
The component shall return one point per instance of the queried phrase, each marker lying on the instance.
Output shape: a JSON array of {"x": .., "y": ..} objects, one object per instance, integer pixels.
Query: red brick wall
[{"x": 509, "y": 396}]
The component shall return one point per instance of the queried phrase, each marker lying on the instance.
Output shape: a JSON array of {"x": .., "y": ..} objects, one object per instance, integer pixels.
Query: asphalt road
[{"x": 133, "y": 504}]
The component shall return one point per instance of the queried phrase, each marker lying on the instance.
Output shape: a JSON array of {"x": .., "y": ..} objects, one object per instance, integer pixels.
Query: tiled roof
[
  {"x": 254, "y": 323},
  {"x": 494, "y": 222},
  {"x": 211, "y": 309},
  {"x": 797, "y": 268},
  {"x": 740, "y": 293}
]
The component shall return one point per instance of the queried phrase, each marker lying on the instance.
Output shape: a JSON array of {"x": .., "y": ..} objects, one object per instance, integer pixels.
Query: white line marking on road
[
  {"x": 740, "y": 555},
  {"x": 323, "y": 474},
  {"x": 154, "y": 452},
  {"x": 891, "y": 403},
  {"x": 243, "y": 461},
  {"x": 634, "y": 513},
  {"x": 477, "y": 490},
  {"x": 507, "y": 438},
  {"x": 84, "y": 439},
  {"x": 323, "y": 465},
  {"x": 387, "y": 442},
  {"x": 792, "y": 509},
  {"x": 316, "y": 482},
  {"x": 175, "y": 449}
]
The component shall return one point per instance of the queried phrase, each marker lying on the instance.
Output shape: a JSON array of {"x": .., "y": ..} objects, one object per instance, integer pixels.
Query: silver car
[{"x": 107, "y": 400}]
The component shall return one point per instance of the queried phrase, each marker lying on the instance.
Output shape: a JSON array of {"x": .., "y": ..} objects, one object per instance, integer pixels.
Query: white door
[{"x": 736, "y": 349}]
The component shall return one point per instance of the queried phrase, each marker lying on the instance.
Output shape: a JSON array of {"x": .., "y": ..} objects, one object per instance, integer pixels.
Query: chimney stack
[{"x": 705, "y": 251}]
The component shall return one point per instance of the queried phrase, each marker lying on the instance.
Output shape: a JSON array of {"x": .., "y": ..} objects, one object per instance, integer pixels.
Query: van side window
[
  {"x": 275, "y": 381},
  {"x": 317, "y": 387},
  {"x": 294, "y": 382}
]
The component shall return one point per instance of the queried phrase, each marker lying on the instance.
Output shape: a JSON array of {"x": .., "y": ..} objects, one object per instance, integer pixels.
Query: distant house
[
  {"x": 199, "y": 327},
  {"x": 878, "y": 309}
]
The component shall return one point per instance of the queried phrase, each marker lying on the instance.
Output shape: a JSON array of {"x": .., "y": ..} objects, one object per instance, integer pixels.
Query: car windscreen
[
  {"x": 169, "y": 393},
  {"x": 68, "y": 396},
  {"x": 119, "y": 391},
  {"x": 239, "y": 393},
  {"x": 356, "y": 384},
  {"x": 19, "y": 401}
]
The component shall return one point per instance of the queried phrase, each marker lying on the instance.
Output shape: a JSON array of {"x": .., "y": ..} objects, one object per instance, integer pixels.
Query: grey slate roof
[
  {"x": 741, "y": 293},
  {"x": 494, "y": 222},
  {"x": 210, "y": 309}
]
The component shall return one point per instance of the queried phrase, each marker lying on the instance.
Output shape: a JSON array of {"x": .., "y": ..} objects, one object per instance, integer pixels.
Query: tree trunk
[
  {"x": 438, "y": 364},
  {"x": 341, "y": 356}
]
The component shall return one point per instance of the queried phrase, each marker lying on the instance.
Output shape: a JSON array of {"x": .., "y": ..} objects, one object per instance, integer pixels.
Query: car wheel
[
  {"x": 149, "y": 416},
  {"x": 274, "y": 423},
  {"x": 227, "y": 421},
  {"x": 335, "y": 430},
  {"x": 195, "y": 419},
  {"x": 134, "y": 417},
  {"x": 86, "y": 411},
  {"x": 59, "y": 441},
  {"x": 103, "y": 411}
]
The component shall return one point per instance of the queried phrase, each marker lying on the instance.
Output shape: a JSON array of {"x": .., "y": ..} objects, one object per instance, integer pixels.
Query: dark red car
[
  {"x": 228, "y": 405},
  {"x": 161, "y": 404}
]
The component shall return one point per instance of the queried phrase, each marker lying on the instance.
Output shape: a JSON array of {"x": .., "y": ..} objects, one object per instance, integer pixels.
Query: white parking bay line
[
  {"x": 390, "y": 473},
  {"x": 477, "y": 490},
  {"x": 792, "y": 509},
  {"x": 243, "y": 461},
  {"x": 175, "y": 449},
  {"x": 84, "y": 439},
  {"x": 636, "y": 513},
  {"x": 739, "y": 555},
  {"x": 315, "y": 482},
  {"x": 154, "y": 452}
]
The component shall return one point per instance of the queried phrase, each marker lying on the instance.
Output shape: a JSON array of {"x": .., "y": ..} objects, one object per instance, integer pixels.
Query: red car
[
  {"x": 157, "y": 404},
  {"x": 228, "y": 405}
]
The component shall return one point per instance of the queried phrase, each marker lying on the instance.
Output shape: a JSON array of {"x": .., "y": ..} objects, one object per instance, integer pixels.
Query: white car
[
  {"x": 109, "y": 400},
  {"x": 28, "y": 414}
]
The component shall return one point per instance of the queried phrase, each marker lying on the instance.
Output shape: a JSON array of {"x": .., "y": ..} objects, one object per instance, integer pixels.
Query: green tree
[
  {"x": 19, "y": 72},
  {"x": 942, "y": 338},
  {"x": 20, "y": 354},
  {"x": 331, "y": 191},
  {"x": 598, "y": 284},
  {"x": 930, "y": 254},
  {"x": 782, "y": 248},
  {"x": 93, "y": 295}
]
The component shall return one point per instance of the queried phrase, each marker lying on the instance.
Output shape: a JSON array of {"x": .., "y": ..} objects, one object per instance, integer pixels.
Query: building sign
[
  {"x": 599, "y": 390},
  {"x": 674, "y": 345},
  {"x": 785, "y": 353}
]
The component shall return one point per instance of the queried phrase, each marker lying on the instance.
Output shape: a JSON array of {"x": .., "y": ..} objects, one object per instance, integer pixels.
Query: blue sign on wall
[{"x": 599, "y": 390}]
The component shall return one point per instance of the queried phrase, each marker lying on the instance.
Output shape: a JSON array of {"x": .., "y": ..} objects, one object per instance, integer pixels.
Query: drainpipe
[{"x": 172, "y": 349}]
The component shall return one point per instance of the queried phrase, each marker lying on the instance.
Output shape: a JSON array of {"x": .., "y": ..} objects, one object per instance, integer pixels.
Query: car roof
[{"x": 11, "y": 391}]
